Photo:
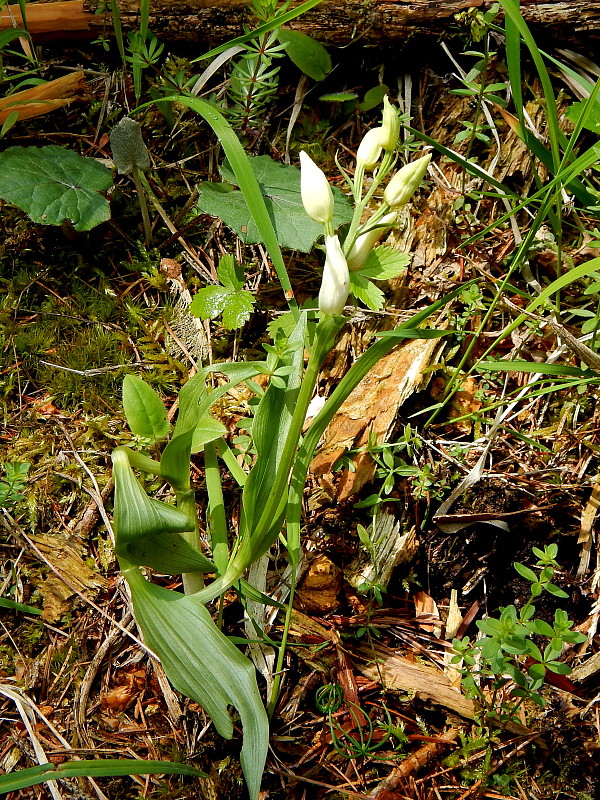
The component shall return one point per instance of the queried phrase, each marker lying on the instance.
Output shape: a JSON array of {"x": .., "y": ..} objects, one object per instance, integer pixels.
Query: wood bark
[{"x": 336, "y": 22}]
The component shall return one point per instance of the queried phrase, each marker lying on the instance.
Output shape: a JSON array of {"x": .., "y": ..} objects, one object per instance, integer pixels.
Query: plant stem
[{"x": 135, "y": 174}]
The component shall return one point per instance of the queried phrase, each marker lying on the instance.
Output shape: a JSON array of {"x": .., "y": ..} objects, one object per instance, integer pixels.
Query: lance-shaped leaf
[
  {"x": 96, "y": 768},
  {"x": 270, "y": 429},
  {"x": 145, "y": 411},
  {"x": 203, "y": 664},
  {"x": 147, "y": 529}
]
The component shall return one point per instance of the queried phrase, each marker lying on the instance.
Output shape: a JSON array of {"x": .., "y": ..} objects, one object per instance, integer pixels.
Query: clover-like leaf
[
  {"x": 234, "y": 306},
  {"x": 52, "y": 184}
]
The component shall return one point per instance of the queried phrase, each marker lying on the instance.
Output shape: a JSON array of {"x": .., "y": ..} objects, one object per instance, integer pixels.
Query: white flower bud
[
  {"x": 406, "y": 182},
  {"x": 390, "y": 127},
  {"x": 369, "y": 150},
  {"x": 317, "y": 197},
  {"x": 335, "y": 286},
  {"x": 367, "y": 241}
]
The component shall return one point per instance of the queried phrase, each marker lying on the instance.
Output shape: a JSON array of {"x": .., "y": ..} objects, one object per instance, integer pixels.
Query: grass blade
[
  {"x": 96, "y": 768},
  {"x": 236, "y": 155}
]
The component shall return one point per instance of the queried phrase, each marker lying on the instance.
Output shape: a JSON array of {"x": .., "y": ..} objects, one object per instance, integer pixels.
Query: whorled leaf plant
[{"x": 200, "y": 660}]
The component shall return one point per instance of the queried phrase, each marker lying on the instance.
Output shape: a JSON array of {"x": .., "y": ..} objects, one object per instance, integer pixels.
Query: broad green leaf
[
  {"x": 175, "y": 461},
  {"x": 592, "y": 118},
  {"x": 95, "y": 768},
  {"x": 235, "y": 306},
  {"x": 136, "y": 514},
  {"x": 542, "y": 627},
  {"x": 307, "y": 54},
  {"x": 280, "y": 187},
  {"x": 207, "y": 430},
  {"x": 384, "y": 262},
  {"x": 204, "y": 665},
  {"x": 191, "y": 395},
  {"x": 366, "y": 291},
  {"x": 52, "y": 184},
  {"x": 237, "y": 310},
  {"x": 559, "y": 667},
  {"x": 373, "y": 97},
  {"x": 167, "y": 553},
  {"x": 145, "y": 411}
]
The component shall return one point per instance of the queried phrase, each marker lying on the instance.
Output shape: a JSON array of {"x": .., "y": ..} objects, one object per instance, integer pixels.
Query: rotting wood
[
  {"x": 336, "y": 22},
  {"x": 43, "y": 98}
]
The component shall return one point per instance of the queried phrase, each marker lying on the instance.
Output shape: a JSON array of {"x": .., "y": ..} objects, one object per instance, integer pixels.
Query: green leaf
[
  {"x": 207, "y": 430},
  {"x": 52, "y": 185},
  {"x": 559, "y": 668},
  {"x": 525, "y": 572},
  {"x": 145, "y": 411},
  {"x": 366, "y": 291},
  {"x": 280, "y": 188},
  {"x": 238, "y": 309},
  {"x": 96, "y": 768},
  {"x": 338, "y": 97},
  {"x": 537, "y": 671},
  {"x": 175, "y": 461},
  {"x": 12, "y": 604},
  {"x": 209, "y": 302},
  {"x": 203, "y": 664},
  {"x": 527, "y": 366},
  {"x": 384, "y": 262},
  {"x": 235, "y": 306},
  {"x": 553, "y": 589},
  {"x": 307, "y": 54},
  {"x": 542, "y": 627},
  {"x": 167, "y": 553},
  {"x": 374, "y": 97},
  {"x": 245, "y": 178},
  {"x": 136, "y": 514},
  {"x": 230, "y": 274}
]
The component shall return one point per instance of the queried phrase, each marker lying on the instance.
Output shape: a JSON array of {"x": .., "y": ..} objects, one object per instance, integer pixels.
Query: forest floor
[{"x": 369, "y": 694}]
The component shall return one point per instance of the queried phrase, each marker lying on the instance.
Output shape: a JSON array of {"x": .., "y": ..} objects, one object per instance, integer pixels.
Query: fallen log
[{"x": 337, "y": 22}]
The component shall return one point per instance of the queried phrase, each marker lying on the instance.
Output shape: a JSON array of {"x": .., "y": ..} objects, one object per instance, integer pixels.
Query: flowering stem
[{"x": 386, "y": 165}]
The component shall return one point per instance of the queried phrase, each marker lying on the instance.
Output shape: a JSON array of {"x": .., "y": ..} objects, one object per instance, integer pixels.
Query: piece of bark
[
  {"x": 342, "y": 21},
  {"x": 335, "y": 22},
  {"x": 399, "y": 674},
  {"x": 370, "y": 411},
  {"x": 51, "y": 21},
  {"x": 43, "y": 98}
]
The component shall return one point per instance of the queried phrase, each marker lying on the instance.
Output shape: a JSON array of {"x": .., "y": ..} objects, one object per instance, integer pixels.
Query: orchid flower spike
[
  {"x": 317, "y": 197},
  {"x": 367, "y": 241},
  {"x": 335, "y": 286},
  {"x": 369, "y": 150},
  {"x": 406, "y": 182}
]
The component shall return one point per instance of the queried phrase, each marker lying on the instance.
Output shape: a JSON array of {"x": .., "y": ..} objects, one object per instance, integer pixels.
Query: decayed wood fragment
[
  {"x": 399, "y": 674},
  {"x": 335, "y": 22},
  {"x": 43, "y": 98},
  {"x": 370, "y": 410}
]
